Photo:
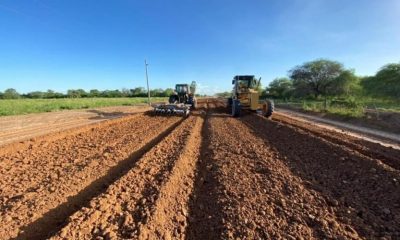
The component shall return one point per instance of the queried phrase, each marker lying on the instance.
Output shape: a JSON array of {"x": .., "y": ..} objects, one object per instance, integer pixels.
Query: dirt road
[
  {"x": 208, "y": 176},
  {"x": 372, "y": 135}
]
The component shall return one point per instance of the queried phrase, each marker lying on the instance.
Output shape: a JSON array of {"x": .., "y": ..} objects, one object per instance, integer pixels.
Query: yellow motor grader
[{"x": 246, "y": 97}]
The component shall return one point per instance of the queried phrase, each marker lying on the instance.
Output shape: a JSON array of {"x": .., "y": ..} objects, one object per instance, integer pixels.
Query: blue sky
[{"x": 64, "y": 44}]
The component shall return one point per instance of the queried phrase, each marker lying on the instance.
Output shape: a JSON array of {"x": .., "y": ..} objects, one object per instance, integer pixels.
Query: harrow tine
[{"x": 172, "y": 109}]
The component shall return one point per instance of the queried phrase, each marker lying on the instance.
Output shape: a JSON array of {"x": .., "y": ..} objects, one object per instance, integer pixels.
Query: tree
[
  {"x": 82, "y": 93},
  {"x": 94, "y": 93},
  {"x": 49, "y": 94},
  {"x": 316, "y": 77},
  {"x": 111, "y": 93},
  {"x": 105, "y": 93},
  {"x": 116, "y": 93},
  {"x": 385, "y": 83},
  {"x": 347, "y": 83},
  {"x": 35, "y": 94},
  {"x": 76, "y": 93},
  {"x": 168, "y": 92},
  {"x": 139, "y": 92},
  {"x": 260, "y": 89},
  {"x": 126, "y": 92},
  {"x": 223, "y": 94},
  {"x": 10, "y": 93},
  {"x": 280, "y": 88},
  {"x": 71, "y": 93},
  {"x": 158, "y": 92}
]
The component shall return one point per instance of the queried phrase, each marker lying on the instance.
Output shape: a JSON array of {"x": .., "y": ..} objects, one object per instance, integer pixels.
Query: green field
[{"x": 24, "y": 106}]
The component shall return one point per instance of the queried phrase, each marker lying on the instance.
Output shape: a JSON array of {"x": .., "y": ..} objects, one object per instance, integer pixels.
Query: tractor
[
  {"x": 181, "y": 101},
  {"x": 184, "y": 94},
  {"x": 246, "y": 97}
]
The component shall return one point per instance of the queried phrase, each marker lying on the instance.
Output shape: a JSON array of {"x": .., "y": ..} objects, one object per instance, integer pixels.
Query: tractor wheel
[
  {"x": 230, "y": 101},
  {"x": 194, "y": 104},
  {"x": 236, "y": 108},
  {"x": 173, "y": 99},
  {"x": 268, "y": 108}
]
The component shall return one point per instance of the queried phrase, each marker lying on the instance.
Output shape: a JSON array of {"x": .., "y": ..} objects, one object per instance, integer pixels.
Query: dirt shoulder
[
  {"x": 385, "y": 121},
  {"x": 378, "y": 136},
  {"x": 23, "y": 127}
]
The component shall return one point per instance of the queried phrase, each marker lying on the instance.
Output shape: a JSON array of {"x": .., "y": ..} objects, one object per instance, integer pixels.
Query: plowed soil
[{"x": 208, "y": 176}]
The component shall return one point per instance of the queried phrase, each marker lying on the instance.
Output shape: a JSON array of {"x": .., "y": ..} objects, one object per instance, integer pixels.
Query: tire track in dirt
[
  {"x": 363, "y": 191},
  {"x": 203, "y": 204},
  {"x": 245, "y": 190},
  {"x": 70, "y": 171},
  {"x": 125, "y": 209},
  {"x": 168, "y": 219},
  {"x": 31, "y": 166}
]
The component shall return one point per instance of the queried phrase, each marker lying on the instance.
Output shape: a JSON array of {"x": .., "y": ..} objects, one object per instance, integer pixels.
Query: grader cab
[{"x": 246, "y": 97}]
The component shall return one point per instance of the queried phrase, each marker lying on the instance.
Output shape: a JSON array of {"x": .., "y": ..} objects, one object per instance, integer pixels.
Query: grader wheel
[
  {"x": 236, "y": 107},
  {"x": 267, "y": 108}
]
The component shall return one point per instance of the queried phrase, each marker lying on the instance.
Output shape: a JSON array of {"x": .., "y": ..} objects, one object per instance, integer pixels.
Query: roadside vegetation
[
  {"x": 12, "y": 93},
  {"x": 346, "y": 107},
  {"x": 14, "y": 103},
  {"x": 327, "y": 86}
]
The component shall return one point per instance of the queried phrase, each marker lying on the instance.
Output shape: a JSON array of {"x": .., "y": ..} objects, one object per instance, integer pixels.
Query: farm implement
[{"x": 181, "y": 102}]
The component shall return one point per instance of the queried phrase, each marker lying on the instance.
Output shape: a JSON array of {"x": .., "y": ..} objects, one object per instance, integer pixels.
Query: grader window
[{"x": 243, "y": 83}]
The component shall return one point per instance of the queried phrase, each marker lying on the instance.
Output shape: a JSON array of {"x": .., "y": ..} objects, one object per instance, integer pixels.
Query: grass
[
  {"x": 335, "y": 109},
  {"x": 25, "y": 106},
  {"x": 348, "y": 107}
]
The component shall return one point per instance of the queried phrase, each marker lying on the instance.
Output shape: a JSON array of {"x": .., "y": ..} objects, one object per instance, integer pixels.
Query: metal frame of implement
[{"x": 172, "y": 109}]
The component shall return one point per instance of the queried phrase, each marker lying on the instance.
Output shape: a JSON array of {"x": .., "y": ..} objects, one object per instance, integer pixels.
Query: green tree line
[
  {"x": 323, "y": 78},
  {"x": 81, "y": 93}
]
